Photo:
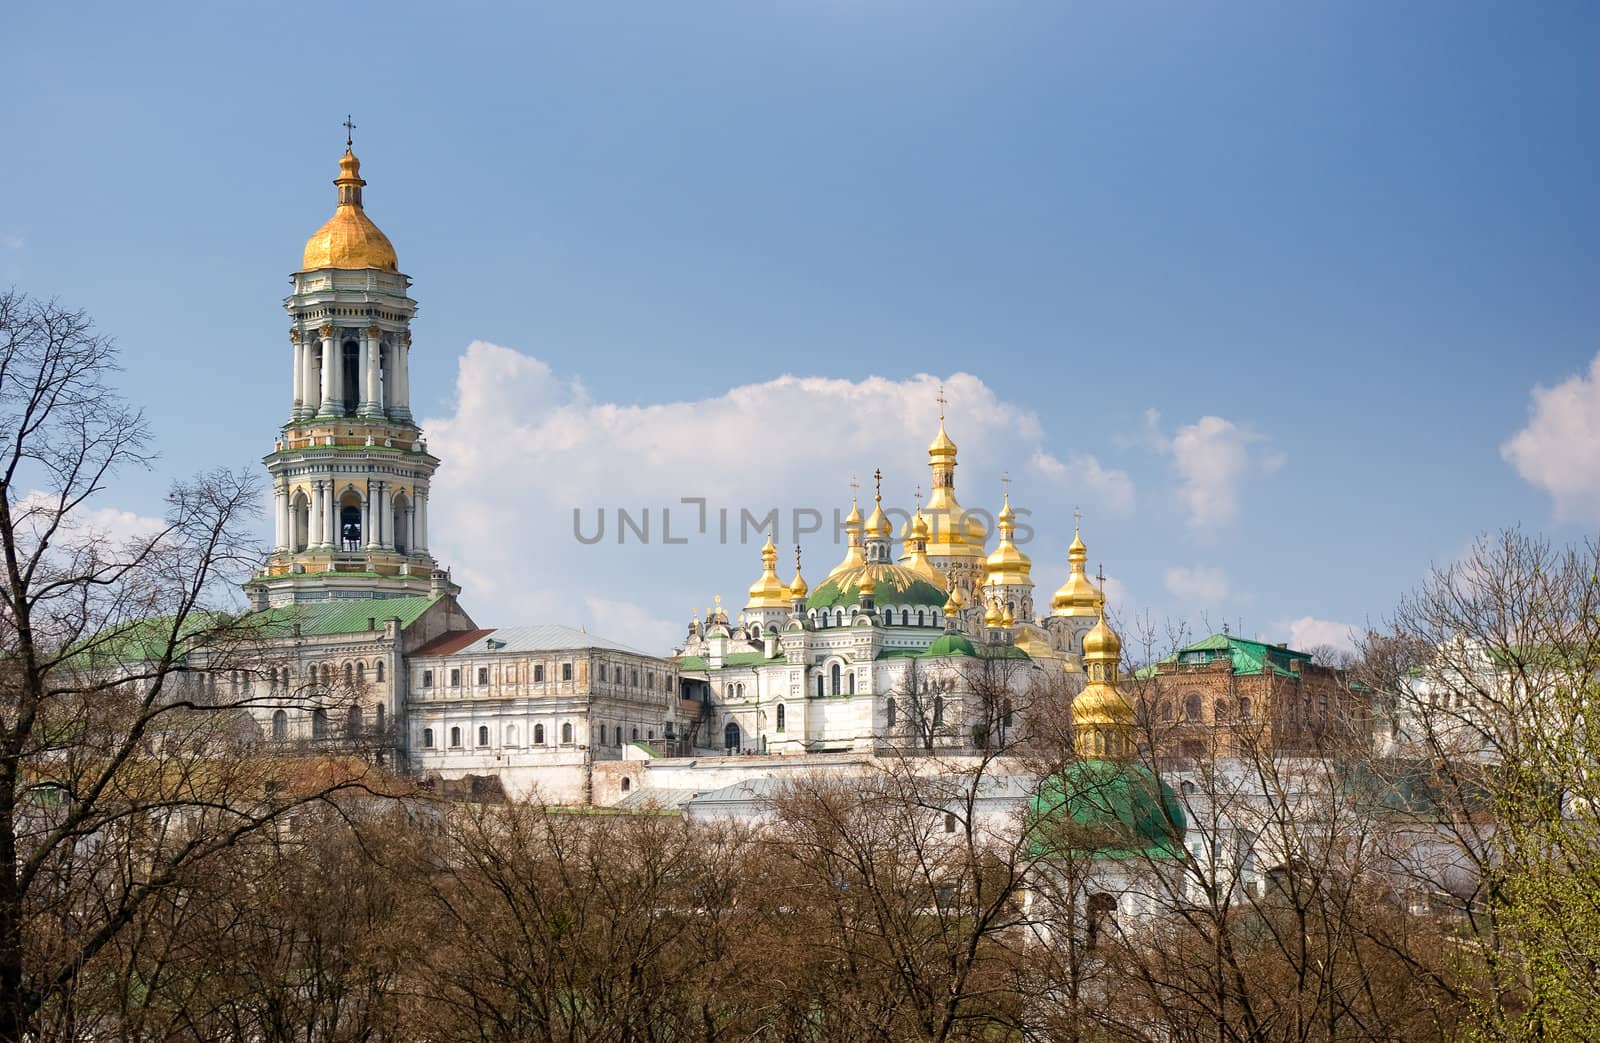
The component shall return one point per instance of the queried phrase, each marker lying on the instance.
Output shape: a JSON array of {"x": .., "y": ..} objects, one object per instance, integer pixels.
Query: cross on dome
[{"x": 349, "y": 131}]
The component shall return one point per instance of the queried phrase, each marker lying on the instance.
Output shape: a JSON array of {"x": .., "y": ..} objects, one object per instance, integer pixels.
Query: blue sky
[{"x": 1358, "y": 236}]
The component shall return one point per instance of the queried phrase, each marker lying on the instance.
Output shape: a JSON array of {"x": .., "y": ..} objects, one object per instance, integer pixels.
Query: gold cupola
[
  {"x": 1078, "y": 596},
  {"x": 349, "y": 239},
  {"x": 798, "y": 588},
  {"x": 1008, "y": 566},
  {"x": 768, "y": 591},
  {"x": 1102, "y": 717},
  {"x": 853, "y": 555},
  {"x": 953, "y": 533}
]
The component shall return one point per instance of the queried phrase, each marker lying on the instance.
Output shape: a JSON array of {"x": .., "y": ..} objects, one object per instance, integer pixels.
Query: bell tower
[{"x": 351, "y": 472}]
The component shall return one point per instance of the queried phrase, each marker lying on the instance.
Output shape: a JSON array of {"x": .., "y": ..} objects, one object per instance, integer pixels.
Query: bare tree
[{"x": 115, "y": 778}]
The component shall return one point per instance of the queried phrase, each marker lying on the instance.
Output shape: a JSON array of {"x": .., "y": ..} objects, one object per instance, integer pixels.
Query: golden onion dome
[
  {"x": 349, "y": 239},
  {"x": 868, "y": 587},
  {"x": 952, "y": 604},
  {"x": 941, "y": 446},
  {"x": 1031, "y": 641},
  {"x": 768, "y": 591},
  {"x": 878, "y": 522},
  {"x": 798, "y": 588},
  {"x": 1101, "y": 642},
  {"x": 1008, "y": 565},
  {"x": 1078, "y": 596},
  {"x": 854, "y": 517},
  {"x": 993, "y": 617},
  {"x": 1007, "y": 620}
]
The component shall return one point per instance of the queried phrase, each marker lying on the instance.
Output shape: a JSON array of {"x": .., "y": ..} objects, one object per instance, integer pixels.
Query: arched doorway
[
  {"x": 350, "y": 533},
  {"x": 730, "y": 736},
  {"x": 299, "y": 522},
  {"x": 401, "y": 530}
]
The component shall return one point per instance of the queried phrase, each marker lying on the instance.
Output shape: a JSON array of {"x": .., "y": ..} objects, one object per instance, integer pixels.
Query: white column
[
  {"x": 366, "y": 519},
  {"x": 422, "y": 521},
  {"x": 411, "y": 526},
  {"x": 362, "y": 352},
  {"x": 280, "y": 517},
  {"x": 314, "y": 528},
  {"x": 333, "y": 516},
  {"x": 310, "y": 382},
  {"x": 386, "y": 504},
  {"x": 372, "y": 379},
  {"x": 400, "y": 403},
  {"x": 298, "y": 392},
  {"x": 330, "y": 372}
]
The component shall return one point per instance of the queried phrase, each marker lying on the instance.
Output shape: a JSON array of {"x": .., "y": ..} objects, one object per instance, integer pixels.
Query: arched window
[
  {"x": 730, "y": 736},
  {"x": 319, "y": 723},
  {"x": 327, "y": 676},
  {"x": 566, "y": 733},
  {"x": 1219, "y": 712},
  {"x": 1166, "y": 713},
  {"x": 921, "y": 619},
  {"x": 538, "y": 735},
  {"x": 838, "y": 617},
  {"x": 635, "y": 735},
  {"x": 949, "y": 821},
  {"x": 627, "y": 784},
  {"x": 361, "y": 673},
  {"x": 349, "y": 675},
  {"x": 938, "y": 710},
  {"x": 280, "y": 726},
  {"x": 833, "y": 679},
  {"x": 905, "y": 617},
  {"x": 378, "y": 721},
  {"x": 483, "y": 735},
  {"x": 889, "y": 709},
  {"x": 1191, "y": 707},
  {"x": 455, "y": 738},
  {"x": 618, "y": 738},
  {"x": 380, "y": 669},
  {"x": 888, "y": 618},
  {"x": 1244, "y": 708},
  {"x": 780, "y": 717},
  {"x": 602, "y": 741},
  {"x": 353, "y": 722},
  {"x": 427, "y": 738},
  {"x": 820, "y": 683},
  {"x": 1005, "y": 713},
  {"x": 1102, "y": 916}
]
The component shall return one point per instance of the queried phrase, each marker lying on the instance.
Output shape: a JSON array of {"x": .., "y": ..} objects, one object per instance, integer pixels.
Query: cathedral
[{"x": 921, "y": 640}]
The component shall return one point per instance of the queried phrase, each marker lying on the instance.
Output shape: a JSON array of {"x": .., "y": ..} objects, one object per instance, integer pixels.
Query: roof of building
[
  {"x": 1248, "y": 657},
  {"x": 343, "y": 616},
  {"x": 1107, "y": 809},
  {"x": 543, "y": 637},
  {"x": 893, "y": 585}
]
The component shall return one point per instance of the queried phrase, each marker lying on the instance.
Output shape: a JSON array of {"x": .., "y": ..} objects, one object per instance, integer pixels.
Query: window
[
  {"x": 379, "y": 667},
  {"x": 378, "y": 719},
  {"x": 361, "y": 673},
  {"x": 1166, "y": 713},
  {"x": 921, "y": 619},
  {"x": 511, "y": 735},
  {"x": 566, "y": 671},
  {"x": 938, "y": 711},
  {"x": 483, "y": 735},
  {"x": 852, "y": 682},
  {"x": 280, "y": 726},
  {"x": 602, "y": 740},
  {"x": 949, "y": 821},
  {"x": 1244, "y": 708},
  {"x": 833, "y": 679},
  {"x": 730, "y": 736},
  {"x": 1191, "y": 707},
  {"x": 455, "y": 738},
  {"x": 538, "y": 674},
  {"x": 780, "y": 717},
  {"x": 349, "y": 675},
  {"x": 890, "y": 709},
  {"x": 635, "y": 735},
  {"x": 427, "y": 738},
  {"x": 650, "y": 679},
  {"x": 427, "y": 679},
  {"x": 354, "y": 722},
  {"x": 566, "y": 734},
  {"x": 319, "y": 723},
  {"x": 600, "y": 672},
  {"x": 483, "y": 675},
  {"x": 819, "y": 686},
  {"x": 618, "y": 739},
  {"x": 455, "y": 677},
  {"x": 538, "y": 735},
  {"x": 1005, "y": 713},
  {"x": 627, "y": 784}
]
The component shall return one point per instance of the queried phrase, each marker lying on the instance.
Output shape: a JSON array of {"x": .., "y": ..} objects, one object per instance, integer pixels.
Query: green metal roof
[
  {"x": 735, "y": 659},
  {"x": 896, "y": 585},
  {"x": 1246, "y": 656},
  {"x": 344, "y": 616},
  {"x": 951, "y": 644},
  {"x": 1106, "y": 809}
]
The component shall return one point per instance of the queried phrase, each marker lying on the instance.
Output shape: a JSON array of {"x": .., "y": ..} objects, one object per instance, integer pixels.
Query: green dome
[
  {"x": 1107, "y": 809},
  {"x": 950, "y": 644},
  {"x": 896, "y": 585}
]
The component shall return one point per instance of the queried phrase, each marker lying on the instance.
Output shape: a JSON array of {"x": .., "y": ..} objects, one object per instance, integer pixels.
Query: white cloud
[
  {"x": 524, "y": 447},
  {"x": 1204, "y": 586},
  {"x": 1083, "y": 476},
  {"x": 1308, "y": 632},
  {"x": 1559, "y": 450},
  {"x": 109, "y": 525},
  {"x": 1212, "y": 458}
]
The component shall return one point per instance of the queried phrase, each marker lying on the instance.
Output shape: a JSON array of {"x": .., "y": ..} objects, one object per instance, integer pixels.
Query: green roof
[
  {"x": 896, "y": 585},
  {"x": 735, "y": 659},
  {"x": 1106, "y": 809},
  {"x": 691, "y": 662},
  {"x": 343, "y": 616},
  {"x": 1246, "y": 656}
]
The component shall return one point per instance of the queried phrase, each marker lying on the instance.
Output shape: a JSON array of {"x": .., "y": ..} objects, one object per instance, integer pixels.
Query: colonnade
[
  {"x": 379, "y": 528},
  {"x": 383, "y": 373}
]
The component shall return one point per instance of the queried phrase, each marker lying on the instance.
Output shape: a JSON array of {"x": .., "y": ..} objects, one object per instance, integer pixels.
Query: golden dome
[
  {"x": 868, "y": 587},
  {"x": 1007, "y": 620},
  {"x": 1102, "y": 643},
  {"x": 952, "y": 604},
  {"x": 878, "y": 522},
  {"x": 993, "y": 617},
  {"x": 768, "y": 591},
  {"x": 1008, "y": 565},
  {"x": 1078, "y": 596},
  {"x": 1031, "y": 641},
  {"x": 941, "y": 446},
  {"x": 798, "y": 588},
  {"x": 852, "y": 550},
  {"x": 349, "y": 239}
]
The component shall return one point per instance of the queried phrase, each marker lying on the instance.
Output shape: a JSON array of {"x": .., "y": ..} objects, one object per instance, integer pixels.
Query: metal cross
[
  {"x": 1101, "y": 576},
  {"x": 349, "y": 131},
  {"x": 942, "y": 401},
  {"x": 854, "y": 485},
  {"x": 1077, "y": 518},
  {"x": 1005, "y": 480},
  {"x": 877, "y": 484}
]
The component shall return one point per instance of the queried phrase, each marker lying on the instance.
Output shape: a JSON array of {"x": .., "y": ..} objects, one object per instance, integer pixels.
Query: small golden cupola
[
  {"x": 853, "y": 555},
  {"x": 1008, "y": 565},
  {"x": 349, "y": 239},
  {"x": 768, "y": 592},
  {"x": 1102, "y": 717},
  {"x": 1078, "y": 596},
  {"x": 798, "y": 587}
]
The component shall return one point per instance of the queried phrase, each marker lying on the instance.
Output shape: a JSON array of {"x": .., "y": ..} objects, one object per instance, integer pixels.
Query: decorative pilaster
[
  {"x": 297, "y": 392},
  {"x": 421, "y": 545},
  {"x": 400, "y": 408},
  {"x": 314, "y": 537}
]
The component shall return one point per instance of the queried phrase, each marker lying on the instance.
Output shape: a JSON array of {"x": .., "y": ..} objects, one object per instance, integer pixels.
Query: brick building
[{"x": 1226, "y": 695}]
